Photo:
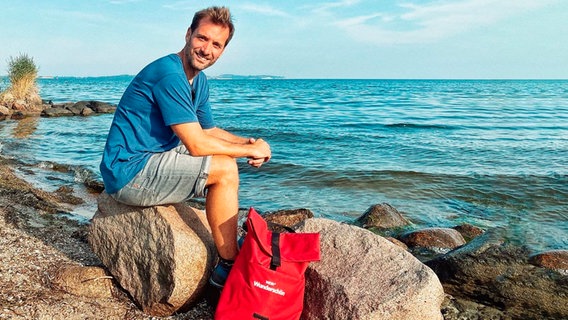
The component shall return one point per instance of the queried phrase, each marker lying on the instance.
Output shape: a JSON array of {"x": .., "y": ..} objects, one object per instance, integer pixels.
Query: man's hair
[{"x": 218, "y": 15}]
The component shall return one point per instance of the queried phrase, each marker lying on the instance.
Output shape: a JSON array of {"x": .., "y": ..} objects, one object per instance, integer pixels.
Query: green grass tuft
[
  {"x": 21, "y": 67},
  {"x": 22, "y": 73}
]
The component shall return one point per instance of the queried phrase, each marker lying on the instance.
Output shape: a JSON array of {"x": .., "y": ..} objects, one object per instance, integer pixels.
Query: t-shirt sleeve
[{"x": 173, "y": 96}]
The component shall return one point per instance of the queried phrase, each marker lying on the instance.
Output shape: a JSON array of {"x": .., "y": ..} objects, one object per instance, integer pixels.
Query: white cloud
[
  {"x": 433, "y": 21},
  {"x": 359, "y": 20},
  {"x": 324, "y": 8},
  {"x": 264, "y": 10}
]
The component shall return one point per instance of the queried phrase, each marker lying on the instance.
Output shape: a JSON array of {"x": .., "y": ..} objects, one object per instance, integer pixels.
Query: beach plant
[{"x": 22, "y": 74}]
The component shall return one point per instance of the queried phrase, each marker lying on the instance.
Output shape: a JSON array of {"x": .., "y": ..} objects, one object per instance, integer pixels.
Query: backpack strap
[
  {"x": 275, "y": 260},
  {"x": 278, "y": 225},
  {"x": 258, "y": 316}
]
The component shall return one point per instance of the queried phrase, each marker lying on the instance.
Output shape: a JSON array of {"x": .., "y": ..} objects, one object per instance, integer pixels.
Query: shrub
[
  {"x": 22, "y": 73},
  {"x": 22, "y": 93}
]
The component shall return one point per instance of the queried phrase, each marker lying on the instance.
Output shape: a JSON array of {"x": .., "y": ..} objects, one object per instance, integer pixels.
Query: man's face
[{"x": 205, "y": 44}]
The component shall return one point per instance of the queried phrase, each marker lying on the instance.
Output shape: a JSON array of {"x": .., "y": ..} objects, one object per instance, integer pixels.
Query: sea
[{"x": 492, "y": 153}]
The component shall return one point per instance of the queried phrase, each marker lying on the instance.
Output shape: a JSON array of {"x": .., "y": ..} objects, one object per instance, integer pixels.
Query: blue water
[{"x": 444, "y": 152}]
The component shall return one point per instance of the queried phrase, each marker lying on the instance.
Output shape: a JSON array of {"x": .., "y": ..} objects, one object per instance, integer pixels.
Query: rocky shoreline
[
  {"x": 483, "y": 276},
  {"x": 36, "y": 242},
  {"x": 19, "y": 109}
]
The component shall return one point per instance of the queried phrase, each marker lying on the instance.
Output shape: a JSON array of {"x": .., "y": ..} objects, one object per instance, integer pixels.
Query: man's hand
[
  {"x": 217, "y": 141},
  {"x": 262, "y": 154}
]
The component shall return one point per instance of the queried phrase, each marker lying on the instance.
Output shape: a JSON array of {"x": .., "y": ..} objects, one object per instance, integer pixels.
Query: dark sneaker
[
  {"x": 240, "y": 242},
  {"x": 220, "y": 273}
]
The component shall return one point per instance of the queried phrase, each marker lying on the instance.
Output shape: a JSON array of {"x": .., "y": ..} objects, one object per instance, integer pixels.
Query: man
[{"x": 144, "y": 163}]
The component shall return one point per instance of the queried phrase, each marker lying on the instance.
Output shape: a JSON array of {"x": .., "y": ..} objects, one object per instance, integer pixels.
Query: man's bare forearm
[
  {"x": 200, "y": 142},
  {"x": 227, "y": 136}
]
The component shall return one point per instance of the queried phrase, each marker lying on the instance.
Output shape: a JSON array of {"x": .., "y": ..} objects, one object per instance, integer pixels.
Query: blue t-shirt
[{"x": 158, "y": 97}]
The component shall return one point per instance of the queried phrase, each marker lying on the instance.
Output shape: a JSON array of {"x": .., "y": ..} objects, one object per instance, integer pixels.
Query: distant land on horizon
[
  {"x": 221, "y": 77},
  {"x": 4, "y": 81},
  {"x": 241, "y": 77}
]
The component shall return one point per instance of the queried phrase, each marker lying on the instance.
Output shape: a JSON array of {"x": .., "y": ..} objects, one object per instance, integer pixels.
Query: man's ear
[{"x": 188, "y": 35}]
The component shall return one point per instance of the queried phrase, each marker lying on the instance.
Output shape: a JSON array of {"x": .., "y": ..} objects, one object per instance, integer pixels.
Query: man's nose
[{"x": 206, "y": 48}]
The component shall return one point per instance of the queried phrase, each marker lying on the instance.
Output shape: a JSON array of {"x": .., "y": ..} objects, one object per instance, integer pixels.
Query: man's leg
[
  {"x": 169, "y": 177},
  {"x": 222, "y": 204}
]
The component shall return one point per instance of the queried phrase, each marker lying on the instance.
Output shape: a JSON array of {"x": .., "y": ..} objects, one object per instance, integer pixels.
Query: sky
[{"x": 338, "y": 39}]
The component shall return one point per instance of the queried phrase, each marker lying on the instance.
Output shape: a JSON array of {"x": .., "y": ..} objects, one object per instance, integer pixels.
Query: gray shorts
[{"x": 169, "y": 177}]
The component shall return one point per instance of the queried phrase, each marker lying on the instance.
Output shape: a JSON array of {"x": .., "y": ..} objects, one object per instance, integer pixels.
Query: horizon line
[{"x": 277, "y": 77}]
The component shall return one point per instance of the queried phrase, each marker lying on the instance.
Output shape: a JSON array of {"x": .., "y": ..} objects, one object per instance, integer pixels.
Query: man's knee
[{"x": 223, "y": 169}]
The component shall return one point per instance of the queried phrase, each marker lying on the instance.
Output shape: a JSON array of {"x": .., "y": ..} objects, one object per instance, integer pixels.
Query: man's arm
[
  {"x": 227, "y": 136},
  {"x": 214, "y": 142}
]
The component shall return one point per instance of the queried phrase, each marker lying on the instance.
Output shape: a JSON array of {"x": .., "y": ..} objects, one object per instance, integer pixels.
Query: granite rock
[
  {"x": 161, "y": 255},
  {"x": 382, "y": 216},
  {"x": 362, "y": 275},
  {"x": 434, "y": 238},
  {"x": 86, "y": 281},
  {"x": 494, "y": 272}
]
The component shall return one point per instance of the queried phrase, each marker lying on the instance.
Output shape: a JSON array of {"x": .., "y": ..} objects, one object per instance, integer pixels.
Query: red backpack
[{"x": 267, "y": 280}]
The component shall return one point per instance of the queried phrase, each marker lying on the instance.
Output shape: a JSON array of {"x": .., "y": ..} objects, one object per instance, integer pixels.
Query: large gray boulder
[
  {"x": 364, "y": 276},
  {"x": 161, "y": 255}
]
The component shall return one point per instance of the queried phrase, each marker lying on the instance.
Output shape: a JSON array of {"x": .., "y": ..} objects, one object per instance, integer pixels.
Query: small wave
[
  {"x": 81, "y": 175},
  {"x": 522, "y": 192},
  {"x": 88, "y": 178},
  {"x": 410, "y": 125}
]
